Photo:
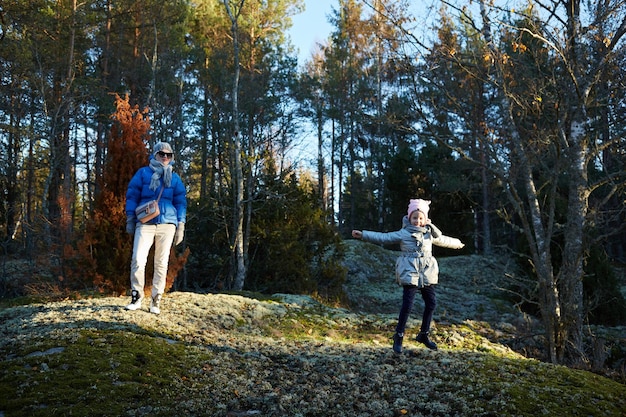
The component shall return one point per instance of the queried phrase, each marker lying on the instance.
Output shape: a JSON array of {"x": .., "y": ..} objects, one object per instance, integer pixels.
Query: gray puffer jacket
[{"x": 416, "y": 264}]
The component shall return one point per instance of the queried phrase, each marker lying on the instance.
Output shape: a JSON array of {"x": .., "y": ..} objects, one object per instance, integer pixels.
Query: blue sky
[{"x": 311, "y": 26}]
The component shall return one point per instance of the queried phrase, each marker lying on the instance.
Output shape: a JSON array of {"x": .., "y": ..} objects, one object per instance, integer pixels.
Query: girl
[{"x": 416, "y": 267}]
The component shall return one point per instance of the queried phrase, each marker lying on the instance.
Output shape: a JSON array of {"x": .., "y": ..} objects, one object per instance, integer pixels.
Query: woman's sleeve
[
  {"x": 179, "y": 201},
  {"x": 133, "y": 194}
]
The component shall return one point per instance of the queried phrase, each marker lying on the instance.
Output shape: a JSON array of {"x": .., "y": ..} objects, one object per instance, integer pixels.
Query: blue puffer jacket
[
  {"x": 173, "y": 202},
  {"x": 416, "y": 264}
]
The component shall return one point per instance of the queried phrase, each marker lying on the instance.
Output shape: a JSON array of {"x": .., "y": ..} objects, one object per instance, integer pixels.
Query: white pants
[{"x": 162, "y": 235}]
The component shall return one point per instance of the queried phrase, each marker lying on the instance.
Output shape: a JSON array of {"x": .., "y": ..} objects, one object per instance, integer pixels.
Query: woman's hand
[{"x": 357, "y": 234}]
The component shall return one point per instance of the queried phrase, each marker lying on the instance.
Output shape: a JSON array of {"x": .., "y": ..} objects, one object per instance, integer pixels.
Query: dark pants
[{"x": 408, "y": 298}]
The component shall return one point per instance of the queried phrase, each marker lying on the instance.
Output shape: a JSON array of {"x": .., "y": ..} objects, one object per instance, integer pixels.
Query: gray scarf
[{"x": 160, "y": 170}]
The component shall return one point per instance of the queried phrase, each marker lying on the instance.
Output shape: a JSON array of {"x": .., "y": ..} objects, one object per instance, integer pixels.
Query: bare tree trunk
[
  {"x": 249, "y": 180},
  {"x": 87, "y": 188},
  {"x": 571, "y": 273},
  {"x": 238, "y": 207},
  {"x": 483, "y": 240},
  {"x": 333, "y": 192},
  {"x": 486, "y": 226},
  {"x": 539, "y": 236},
  {"x": 58, "y": 191},
  {"x": 13, "y": 155},
  {"x": 30, "y": 181},
  {"x": 101, "y": 136},
  {"x": 321, "y": 181},
  {"x": 204, "y": 148},
  {"x": 382, "y": 186}
]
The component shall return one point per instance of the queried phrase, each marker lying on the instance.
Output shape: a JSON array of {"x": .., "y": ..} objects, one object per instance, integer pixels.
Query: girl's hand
[{"x": 357, "y": 234}]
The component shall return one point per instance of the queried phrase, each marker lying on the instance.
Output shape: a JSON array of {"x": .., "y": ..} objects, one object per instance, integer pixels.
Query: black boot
[
  {"x": 397, "y": 342},
  {"x": 422, "y": 337}
]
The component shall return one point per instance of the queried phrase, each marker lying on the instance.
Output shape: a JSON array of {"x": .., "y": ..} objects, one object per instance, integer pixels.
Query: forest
[{"x": 508, "y": 115}]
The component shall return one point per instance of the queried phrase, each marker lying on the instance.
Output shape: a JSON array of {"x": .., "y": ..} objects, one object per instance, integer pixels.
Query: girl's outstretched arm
[{"x": 448, "y": 242}]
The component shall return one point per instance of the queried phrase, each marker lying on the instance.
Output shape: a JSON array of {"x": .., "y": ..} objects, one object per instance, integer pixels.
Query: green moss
[
  {"x": 535, "y": 388},
  {"x": 101, "y": 373}
]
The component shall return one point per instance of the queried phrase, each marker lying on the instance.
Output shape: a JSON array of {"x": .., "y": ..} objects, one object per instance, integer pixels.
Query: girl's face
[{"x": 417, "y": 219}]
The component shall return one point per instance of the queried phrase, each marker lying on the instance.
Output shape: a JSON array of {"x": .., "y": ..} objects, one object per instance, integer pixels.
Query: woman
[{"x": 152, "y": 182}]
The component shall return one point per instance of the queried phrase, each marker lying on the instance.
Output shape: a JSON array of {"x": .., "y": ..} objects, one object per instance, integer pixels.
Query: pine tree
[{"x": 110, "y": 246}]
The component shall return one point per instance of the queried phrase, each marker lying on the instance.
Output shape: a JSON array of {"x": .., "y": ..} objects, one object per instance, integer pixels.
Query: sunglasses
[{"x": 165, "y": 154}]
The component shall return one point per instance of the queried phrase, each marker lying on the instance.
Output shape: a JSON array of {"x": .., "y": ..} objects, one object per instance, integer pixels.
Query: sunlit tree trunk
[
  {"x": 237, "y": 243},
  {"x": 59, "y": 196},
  {"x": 13, "y": 156}
]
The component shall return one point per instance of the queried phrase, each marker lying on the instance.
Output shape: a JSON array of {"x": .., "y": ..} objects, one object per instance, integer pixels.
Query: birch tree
[{"x": 542, "y": 140}]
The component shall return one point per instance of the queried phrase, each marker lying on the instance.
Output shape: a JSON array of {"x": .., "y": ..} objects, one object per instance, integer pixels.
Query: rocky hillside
[{"x": 235, "y": 355}]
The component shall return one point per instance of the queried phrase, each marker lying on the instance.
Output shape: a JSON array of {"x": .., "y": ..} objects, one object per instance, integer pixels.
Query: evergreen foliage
[
  {"x": 405, "y": 180},
  {"x": 292, "y": 248}
]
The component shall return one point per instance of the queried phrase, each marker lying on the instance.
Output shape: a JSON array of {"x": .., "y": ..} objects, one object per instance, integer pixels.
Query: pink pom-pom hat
[{"x": 418, "y": 204}]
